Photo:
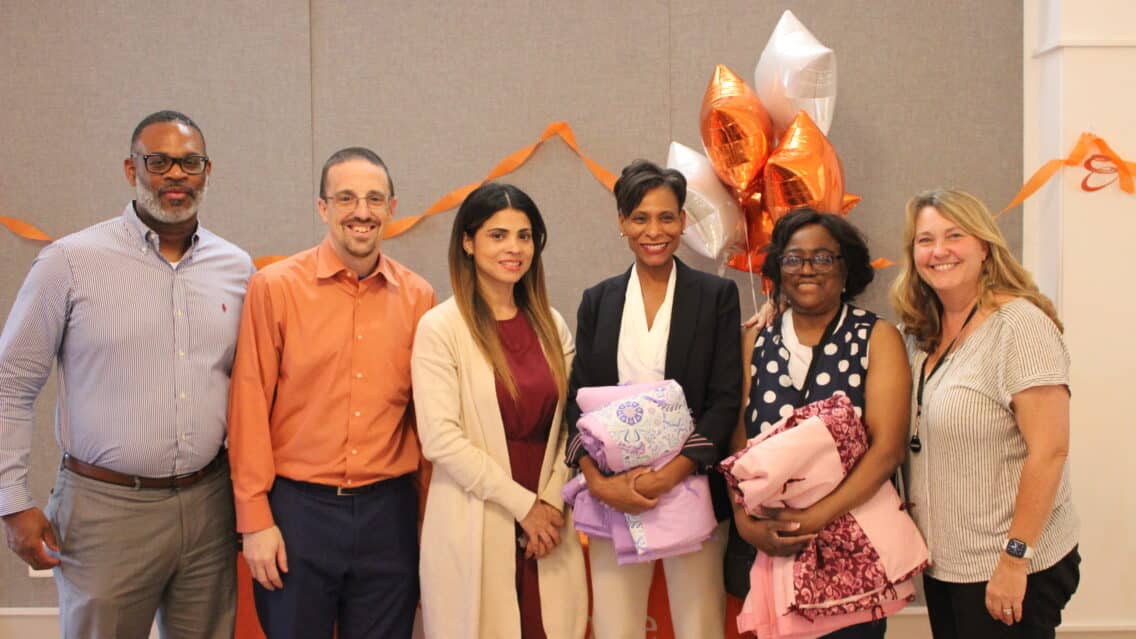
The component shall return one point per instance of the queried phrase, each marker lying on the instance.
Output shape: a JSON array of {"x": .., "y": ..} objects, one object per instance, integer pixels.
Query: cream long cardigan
[{"x": 468, "y": 560}]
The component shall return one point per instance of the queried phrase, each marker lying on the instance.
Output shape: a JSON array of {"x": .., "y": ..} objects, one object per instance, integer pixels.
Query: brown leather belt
[{"x": 174, "y": 482}]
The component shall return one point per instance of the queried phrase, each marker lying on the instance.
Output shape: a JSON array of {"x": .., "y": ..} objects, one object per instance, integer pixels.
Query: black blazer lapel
[
  {"x": 684, "y": 320},
  {"x": 609, "y": 317}
]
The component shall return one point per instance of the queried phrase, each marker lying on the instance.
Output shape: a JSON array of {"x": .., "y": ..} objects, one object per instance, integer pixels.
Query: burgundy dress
[{"x": 527, "y": 420}]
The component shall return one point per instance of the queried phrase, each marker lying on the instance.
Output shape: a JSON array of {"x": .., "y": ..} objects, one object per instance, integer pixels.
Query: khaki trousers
[{"x": 127, "y": 554}]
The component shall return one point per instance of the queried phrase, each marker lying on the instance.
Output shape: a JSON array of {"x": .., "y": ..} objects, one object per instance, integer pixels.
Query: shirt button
[
  {"x": 348, "y": 482},
  {"x": 358, "y": 375},
  {"x": 181, "y": 354},
  {"x": 182, "y": 395},
  {"x": 359, "y": 336},
  {"x": 178, "y": 313},
  {"x": 354, "y": 451},
  {"x": 358, "y": 413}
]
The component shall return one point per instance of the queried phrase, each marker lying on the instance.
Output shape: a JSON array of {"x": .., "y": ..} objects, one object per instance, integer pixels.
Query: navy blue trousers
[{"x": 352, "y": 562}]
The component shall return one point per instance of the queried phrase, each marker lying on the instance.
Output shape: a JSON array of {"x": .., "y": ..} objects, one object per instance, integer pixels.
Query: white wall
[{"x": 1079, "y": 61}]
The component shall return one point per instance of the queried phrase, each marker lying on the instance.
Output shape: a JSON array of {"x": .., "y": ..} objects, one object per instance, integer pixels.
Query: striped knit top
[{"x": 964, "y": 481}]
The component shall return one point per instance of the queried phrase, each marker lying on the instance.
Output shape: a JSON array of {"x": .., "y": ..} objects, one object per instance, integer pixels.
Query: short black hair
[
  {"x": 354, "y": 153},
  {"x": 642, "y": 176},
  {"x": 853, "y": 247},
  {"x": 164, "y": 116}
]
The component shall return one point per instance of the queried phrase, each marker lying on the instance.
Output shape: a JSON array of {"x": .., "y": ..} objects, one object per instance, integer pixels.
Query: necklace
[{"x": 915, "y": 444}]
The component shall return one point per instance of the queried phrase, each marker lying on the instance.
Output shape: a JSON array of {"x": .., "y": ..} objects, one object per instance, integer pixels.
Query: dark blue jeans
[{"x": 352, "y": 562}]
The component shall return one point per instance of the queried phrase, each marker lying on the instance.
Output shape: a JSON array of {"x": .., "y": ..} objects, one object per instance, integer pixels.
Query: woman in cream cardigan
[{"x": 489, "y": 372}]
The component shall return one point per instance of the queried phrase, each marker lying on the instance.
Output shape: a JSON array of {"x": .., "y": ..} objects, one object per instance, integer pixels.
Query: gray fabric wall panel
[
  {"x": 77, "y": 77},
  {"x": 16, "y": 588},
  {"x": 929, "y": 94},
  {"x": 446, "y": 93}
]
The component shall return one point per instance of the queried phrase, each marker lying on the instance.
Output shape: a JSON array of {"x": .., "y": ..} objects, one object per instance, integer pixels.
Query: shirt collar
[{"x": 328, "y": 265}]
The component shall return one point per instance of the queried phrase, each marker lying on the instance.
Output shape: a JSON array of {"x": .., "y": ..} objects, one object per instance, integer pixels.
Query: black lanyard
[
  {"x": 915, "y": 444},
  {"x": 817, "y": 352}
]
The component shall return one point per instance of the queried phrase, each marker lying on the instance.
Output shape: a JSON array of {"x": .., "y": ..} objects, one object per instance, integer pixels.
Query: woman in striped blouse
[{"x": 987, "y": 472}]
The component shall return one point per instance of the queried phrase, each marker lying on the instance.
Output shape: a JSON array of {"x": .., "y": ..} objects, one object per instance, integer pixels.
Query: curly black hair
[{"x": 853, "y": 246}]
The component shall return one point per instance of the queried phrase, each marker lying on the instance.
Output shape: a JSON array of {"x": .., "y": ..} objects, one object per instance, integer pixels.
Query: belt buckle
[
  {"x": 137, "y": 483},
  {"x": 340, "y": 491}
]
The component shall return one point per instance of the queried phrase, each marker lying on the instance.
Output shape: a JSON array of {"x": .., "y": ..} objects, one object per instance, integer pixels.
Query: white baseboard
[{"x": 909, "y": 623}]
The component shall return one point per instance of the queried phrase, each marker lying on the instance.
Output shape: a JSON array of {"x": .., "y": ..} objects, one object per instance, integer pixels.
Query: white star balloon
[{"x": 796, "y": 72}]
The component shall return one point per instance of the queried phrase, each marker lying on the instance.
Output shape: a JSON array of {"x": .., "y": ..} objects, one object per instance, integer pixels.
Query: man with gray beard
[{"x": 141, "y": 314}]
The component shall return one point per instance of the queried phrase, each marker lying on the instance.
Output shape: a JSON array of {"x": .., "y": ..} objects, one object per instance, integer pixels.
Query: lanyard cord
[{"x": 915, "y": 444}]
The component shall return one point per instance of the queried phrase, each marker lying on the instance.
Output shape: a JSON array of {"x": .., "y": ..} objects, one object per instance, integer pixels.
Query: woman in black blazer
[{"x": 659, "y": 320}]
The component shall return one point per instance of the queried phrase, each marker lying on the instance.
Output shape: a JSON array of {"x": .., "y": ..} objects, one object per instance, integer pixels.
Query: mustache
[{"x": 178, "y": 188}]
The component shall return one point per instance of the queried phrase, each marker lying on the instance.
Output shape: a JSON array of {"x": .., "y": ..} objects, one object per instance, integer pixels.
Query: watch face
[{"x": 1016, "y": 548}]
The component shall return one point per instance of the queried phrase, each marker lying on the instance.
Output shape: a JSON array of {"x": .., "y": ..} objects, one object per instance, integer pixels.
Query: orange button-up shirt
[{"x": 320, "y": 389}]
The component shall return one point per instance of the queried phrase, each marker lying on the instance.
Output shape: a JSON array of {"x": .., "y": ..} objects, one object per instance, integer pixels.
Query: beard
[{"x": 151, "y": 202}]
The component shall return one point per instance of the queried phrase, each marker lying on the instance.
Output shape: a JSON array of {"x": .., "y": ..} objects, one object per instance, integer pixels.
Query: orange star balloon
[
  {"x": 736, "y": 130},
  {"x": 750, "y": 256},
  {"x": 803, "y": 171}
]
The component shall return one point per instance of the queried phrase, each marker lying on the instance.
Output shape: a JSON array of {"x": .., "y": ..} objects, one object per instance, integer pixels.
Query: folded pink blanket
[
  {"x": 858, "y": 567},
  {"x": 624, "y": 427}
]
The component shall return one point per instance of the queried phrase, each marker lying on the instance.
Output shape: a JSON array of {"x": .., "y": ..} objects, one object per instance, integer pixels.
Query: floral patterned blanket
[
  {"x": 860, "y": 566},
  {"x": 625, "y": 427}
]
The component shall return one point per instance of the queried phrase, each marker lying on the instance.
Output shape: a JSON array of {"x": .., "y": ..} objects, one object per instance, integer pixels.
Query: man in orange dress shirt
[{"x": 321, "y": 433}]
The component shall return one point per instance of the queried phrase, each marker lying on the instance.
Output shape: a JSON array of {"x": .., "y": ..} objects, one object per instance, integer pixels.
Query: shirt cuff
[
  {"x": 254, "y": 515},
  {"x": 15, "y": 498},
  {"x": 575, "y": 451},
  {"x": 701, "y": 451},
  {"x": 518, "y": 500}
]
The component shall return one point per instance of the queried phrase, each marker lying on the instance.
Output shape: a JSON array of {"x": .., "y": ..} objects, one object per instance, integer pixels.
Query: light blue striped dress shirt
[{"x": 145, "y": 349}]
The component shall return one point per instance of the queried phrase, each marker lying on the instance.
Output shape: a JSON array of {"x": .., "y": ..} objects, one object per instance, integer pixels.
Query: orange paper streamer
[
  {"x": 444, "y": 203},
  {"x": 265, "y": 260},
  {"x": 24, "y": 230},
  {"x": 1079, "y": 154},
  {"x": 504, "y": 167}
]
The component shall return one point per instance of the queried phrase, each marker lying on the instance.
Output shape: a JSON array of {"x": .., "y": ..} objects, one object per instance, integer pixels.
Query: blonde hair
[
  {"x": 530, "y": 294},
  {"x": 917, "y": 304}
]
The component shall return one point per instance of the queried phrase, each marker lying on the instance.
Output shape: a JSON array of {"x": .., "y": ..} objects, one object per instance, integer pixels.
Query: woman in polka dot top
[{"x": 819, "y": 346}]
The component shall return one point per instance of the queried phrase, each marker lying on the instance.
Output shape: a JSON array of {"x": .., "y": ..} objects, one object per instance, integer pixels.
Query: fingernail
[{"x": 794, "y": 525}]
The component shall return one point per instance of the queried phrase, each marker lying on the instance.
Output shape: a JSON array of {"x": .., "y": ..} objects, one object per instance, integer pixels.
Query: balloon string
[{"x": 749, "y": 269}]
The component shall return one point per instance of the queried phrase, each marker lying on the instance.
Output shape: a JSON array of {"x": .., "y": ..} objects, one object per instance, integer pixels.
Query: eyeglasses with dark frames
[
  {"x": 160, "y": 163},
  {"x": 821, "y": 262}
]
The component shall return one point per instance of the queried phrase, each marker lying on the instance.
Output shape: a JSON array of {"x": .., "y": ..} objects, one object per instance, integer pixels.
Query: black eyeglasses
[
  {"x": 346, "y": 201},
  {"x": 822, "y": 262},
  {"x": 160, "y": 163}
]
